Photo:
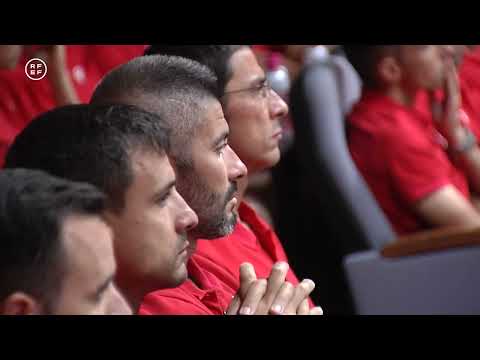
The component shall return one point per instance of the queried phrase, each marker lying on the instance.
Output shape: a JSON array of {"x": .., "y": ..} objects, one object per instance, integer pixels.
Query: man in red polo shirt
[
  {"x": 253, "y": 112},
  {"x": 421, "y": 168},
  {"x": 72, "y": 74},
  {"x": 185, "y": 94}
]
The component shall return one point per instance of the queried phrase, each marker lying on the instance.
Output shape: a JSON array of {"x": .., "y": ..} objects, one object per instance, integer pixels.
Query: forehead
[
  {"x": 88, "y": 246},
  {"x": 150, "y": 168},
  {"x": 213, "y": 122},
  {"x": 245, "y": 67}
]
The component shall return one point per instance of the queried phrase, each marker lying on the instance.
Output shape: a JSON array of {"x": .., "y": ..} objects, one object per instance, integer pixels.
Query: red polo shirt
[
  {"x": 470, "y": 67},
  {"x": 206, "y": 295},
  {"x": 217, "y": 262},
  {"x": 401, "y": 156},
  {"x": 22, "y": 99},
  {"x": 257, "y": 244}
]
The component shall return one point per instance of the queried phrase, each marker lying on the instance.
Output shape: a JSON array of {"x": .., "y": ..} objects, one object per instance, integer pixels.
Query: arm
[
  {"x": 469, "y": 160},
  {"x": 59, "y": 75},
  {"x": 447, "y": 207}
]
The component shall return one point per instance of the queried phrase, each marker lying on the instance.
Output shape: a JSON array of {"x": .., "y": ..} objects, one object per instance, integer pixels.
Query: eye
[
  {"x": 163, "y": 198},
  {"x": 263, "y": 88},
  {"x": 220, "y": 150}
]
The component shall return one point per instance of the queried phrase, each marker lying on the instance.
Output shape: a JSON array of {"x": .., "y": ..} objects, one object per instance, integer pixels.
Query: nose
[
  {"x": 187, "y": 219},
  {"x": 278, "y": 107},
  {"x": 118, "y": 304},
  {"x": 236, "y": 169}
]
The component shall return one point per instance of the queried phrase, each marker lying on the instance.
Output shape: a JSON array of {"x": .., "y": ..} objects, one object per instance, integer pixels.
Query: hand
[
  {"x": 58, "y": 73},
  {"x": 304, "y": 309},
  {"x": 446, "y": 113},
  {"x": 298, "y": 303},
  {"x": 250, "y": 294},
  {"x": 254, "y": 295},
  {"x": 273, "y": 296},
  {"x": 53, "y": 55},
  {"x": 57, "y": 56}
]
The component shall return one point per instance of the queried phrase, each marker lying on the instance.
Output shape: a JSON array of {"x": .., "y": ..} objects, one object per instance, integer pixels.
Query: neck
[
  {"x": 401, "y": 96},
  {"x": 132, "y": 294}
]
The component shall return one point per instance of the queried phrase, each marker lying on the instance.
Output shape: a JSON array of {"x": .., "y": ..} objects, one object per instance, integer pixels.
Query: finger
[
  {"x": 253, "y": 297},
  {"x": 282, "y": 299},
  {"x": 452, "y": 94},
  {"x": 304, "y": 308},
  {"x": 275, "y": 281},
  {"x": 302, "y": 291},
  {"x": 234, "y": 306},
  {"x": 247, "y": 277},
  {"x": 316, "y": 311}
]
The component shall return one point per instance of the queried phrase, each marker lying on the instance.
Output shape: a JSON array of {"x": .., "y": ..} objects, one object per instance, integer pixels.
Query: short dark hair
[
  {"x": 170, "y": 86},
  {"x": 365, "y": 58},
  {"x": 33, "y": 206},
  {"x": 215, "y": 57},
  {"x": 91, "y": 144}
]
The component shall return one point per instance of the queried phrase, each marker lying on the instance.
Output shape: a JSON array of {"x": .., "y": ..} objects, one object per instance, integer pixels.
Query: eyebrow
[
  {"x": 259, "y": 80},
  {"x": 221, "y": 138}
]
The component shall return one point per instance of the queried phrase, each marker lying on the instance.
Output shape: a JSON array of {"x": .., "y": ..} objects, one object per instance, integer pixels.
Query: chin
[
  {"x": 275, "y": 157},
  {"x": 272, "y": 159},
  {"x": 180, "y": 276},
  {"x": 266, "y": 162}
]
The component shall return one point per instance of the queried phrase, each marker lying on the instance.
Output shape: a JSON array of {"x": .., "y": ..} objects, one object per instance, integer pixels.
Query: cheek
[
  {"x": 249, "y": 129},
  {"x": 432, "y": 69},
  {"x": 249, "y": 118},
  {"x": 212, "y": 172},
  {"x": 141, "y": 243},
  {"x": 97, "y": 310},
  {"x": 162, "y": 236},
  {"x": 71, "y": 302}
]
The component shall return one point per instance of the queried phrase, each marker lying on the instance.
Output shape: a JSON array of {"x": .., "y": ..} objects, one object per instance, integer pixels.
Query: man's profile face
[
  {"x": 151, "y": 242},
  {"x": 88, "y": 282},
  {"x": 209, "y": 181},
  {"x": 423, "y": 66},
  {"x": 254, "y": 115}
]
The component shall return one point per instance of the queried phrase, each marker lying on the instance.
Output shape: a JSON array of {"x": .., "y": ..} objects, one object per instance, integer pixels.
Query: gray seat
[
  {"x": 440, "y": 282},
  {"x": 316, "y": 105}
]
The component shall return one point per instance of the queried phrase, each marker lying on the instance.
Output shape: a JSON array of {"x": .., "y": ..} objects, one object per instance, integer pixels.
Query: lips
[
  {"x": 189, "y": 248},
  {"x": 192, "y": 247},
  {"x": 277, "y": 133}
]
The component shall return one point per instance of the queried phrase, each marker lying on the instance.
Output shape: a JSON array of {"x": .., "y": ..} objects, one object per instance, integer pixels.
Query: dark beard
[{"x": 213, "y": 222}]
